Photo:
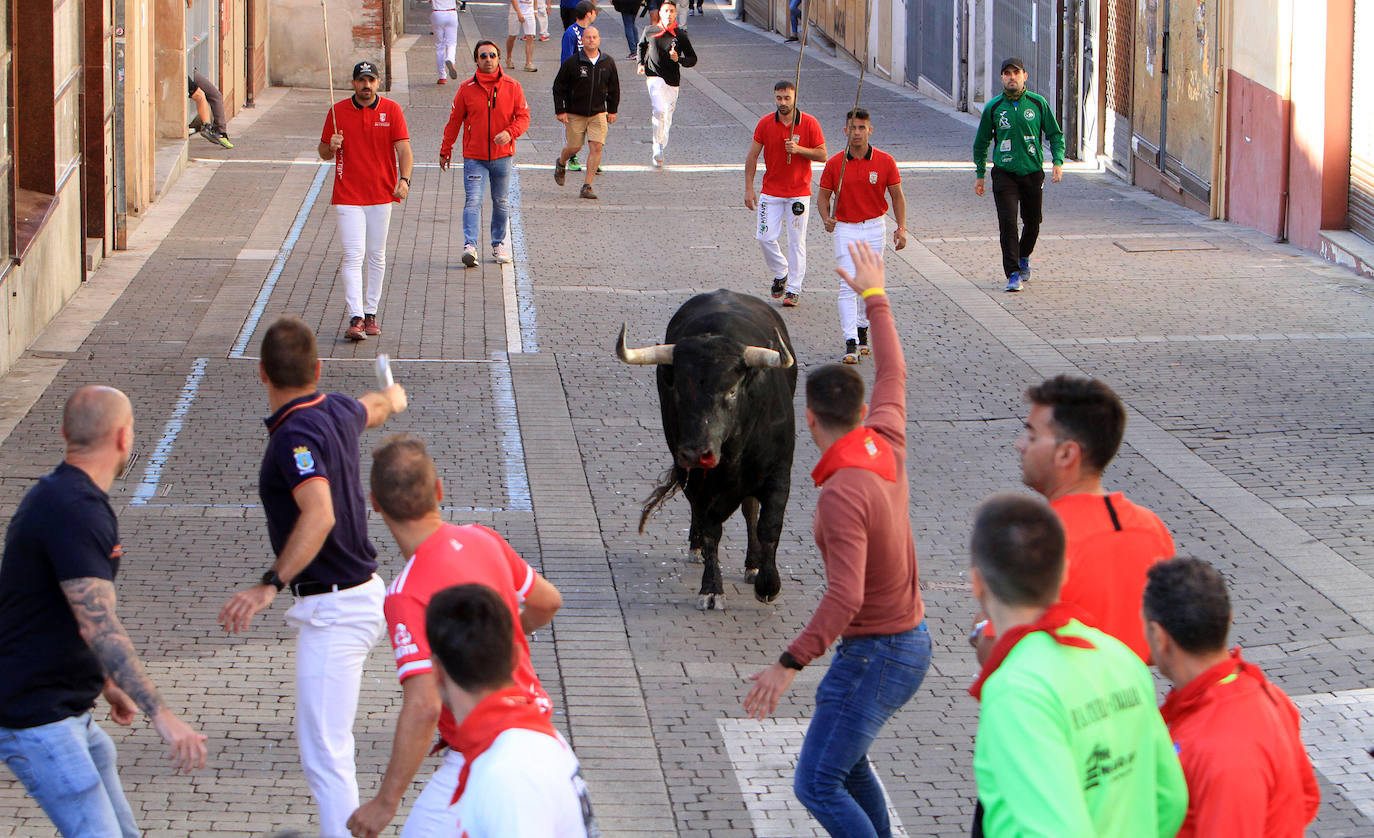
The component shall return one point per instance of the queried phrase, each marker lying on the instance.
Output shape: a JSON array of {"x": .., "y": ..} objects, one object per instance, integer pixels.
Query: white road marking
[
  {"x": 1338, "y": 730},
  {"x": 152, "y": 475},
  {"x": 764, "y": 755}
]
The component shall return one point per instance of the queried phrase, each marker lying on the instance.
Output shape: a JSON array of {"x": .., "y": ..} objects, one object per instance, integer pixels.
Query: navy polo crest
[{"x": 305, "y": 461}]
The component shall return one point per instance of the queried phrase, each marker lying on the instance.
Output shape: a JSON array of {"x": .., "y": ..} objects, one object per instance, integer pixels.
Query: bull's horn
[
  {"x": 647, "y": 356},
  {"x": 759, "y": 356}
]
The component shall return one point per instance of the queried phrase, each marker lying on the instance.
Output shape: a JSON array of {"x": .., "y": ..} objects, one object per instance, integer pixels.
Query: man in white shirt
[{"x": 519, "y": 777}]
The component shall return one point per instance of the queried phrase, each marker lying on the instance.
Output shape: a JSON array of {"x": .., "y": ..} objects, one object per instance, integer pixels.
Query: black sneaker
[
  {"x": 863, "y": 341},
  {"x": 779, "y": 286},
  {"x": 851, "y": 353},
  {"x": 450, "y": 69}
]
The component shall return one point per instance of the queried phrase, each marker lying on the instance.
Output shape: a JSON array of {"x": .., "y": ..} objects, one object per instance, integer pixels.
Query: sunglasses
[{"x": 488, "y": 55}]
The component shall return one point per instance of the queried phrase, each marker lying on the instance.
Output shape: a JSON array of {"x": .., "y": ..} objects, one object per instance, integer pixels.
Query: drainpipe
[{"x": 1286, "y": 172}]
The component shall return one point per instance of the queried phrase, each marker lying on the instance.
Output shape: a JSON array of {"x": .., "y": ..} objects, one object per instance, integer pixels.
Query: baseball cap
[
  {"x": 365, "y": 68},
  {"x": 1013, "y": 61}
]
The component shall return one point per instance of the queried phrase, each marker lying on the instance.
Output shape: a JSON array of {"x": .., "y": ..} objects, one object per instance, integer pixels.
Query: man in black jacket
[
  {"x": 586, "y": 96},
  {"x": 663, "y": 50}
]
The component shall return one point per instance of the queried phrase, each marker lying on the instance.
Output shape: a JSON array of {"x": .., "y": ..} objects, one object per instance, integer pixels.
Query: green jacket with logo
[
  {"x": 1015, "y": 128},
  {"x": 1071, "y": 745}
]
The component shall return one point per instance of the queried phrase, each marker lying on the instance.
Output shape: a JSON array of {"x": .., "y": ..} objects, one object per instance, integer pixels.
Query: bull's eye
[{"x": 730, "y": 396}]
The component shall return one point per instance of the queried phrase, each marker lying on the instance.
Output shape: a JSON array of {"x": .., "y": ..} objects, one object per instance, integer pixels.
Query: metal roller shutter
[{"x": 1361, "y": 211}]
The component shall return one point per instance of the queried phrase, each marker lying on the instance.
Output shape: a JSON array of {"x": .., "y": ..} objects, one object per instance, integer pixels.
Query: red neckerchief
[
  {"x": 667, "y": 30},
  {"x": 860, "y": 448},
  {"x": 1055, "y": 618},
  {"x": 1182, "y": 698},
  {"x": 503, "y": 710}
]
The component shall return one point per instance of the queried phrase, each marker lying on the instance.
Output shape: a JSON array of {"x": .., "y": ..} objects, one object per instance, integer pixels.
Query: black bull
[{"x": 726, "y": 377}]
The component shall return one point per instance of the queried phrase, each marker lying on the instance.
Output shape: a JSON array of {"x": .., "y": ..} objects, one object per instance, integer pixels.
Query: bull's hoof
[
  {"x": 750, "y": 574},
  {"x": 694, "y": 556},
  {"x": 766, "y": 600},
  {"x": 768, "y": 585},
  {"x": 711, "y": 602}
]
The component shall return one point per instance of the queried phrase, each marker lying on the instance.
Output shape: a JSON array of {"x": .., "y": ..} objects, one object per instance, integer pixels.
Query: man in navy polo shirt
[
  {"x": 317, "y": 523},
  {"x": 61, "y": 642}
]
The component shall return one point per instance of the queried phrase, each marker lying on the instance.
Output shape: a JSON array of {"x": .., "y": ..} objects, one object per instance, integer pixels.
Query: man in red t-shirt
[
  {"x": 860, "y": 179},
  {"x": 406, "y": 491},
  {"x": 1237, "y": 735},
  {"x": 1073, "y": 431},
  {"x": 790, "y": 140},
  {"x": 366, "y": 183}
]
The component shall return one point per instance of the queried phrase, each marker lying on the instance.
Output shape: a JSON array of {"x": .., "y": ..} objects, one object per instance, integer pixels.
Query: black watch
[
  {"x": 271, "y": 578},
  {"x": 790, "y": 662},
  {"x": 406, "y": 179}
]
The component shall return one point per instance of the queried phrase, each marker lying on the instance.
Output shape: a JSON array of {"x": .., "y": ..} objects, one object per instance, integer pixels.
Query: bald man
[{"x": 61, "y": 643}]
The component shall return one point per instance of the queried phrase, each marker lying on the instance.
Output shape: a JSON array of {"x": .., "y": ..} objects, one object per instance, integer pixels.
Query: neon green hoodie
[
  {"x": 1015, "y": 127},
  {"x": 1071, "y": 745}
]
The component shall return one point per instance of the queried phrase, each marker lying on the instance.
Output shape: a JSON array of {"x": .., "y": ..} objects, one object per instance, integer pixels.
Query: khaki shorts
[{"x": 581, "y": 128}]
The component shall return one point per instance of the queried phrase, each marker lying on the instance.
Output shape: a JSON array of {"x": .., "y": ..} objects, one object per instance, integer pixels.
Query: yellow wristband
[{"x": 868, "y": 292}]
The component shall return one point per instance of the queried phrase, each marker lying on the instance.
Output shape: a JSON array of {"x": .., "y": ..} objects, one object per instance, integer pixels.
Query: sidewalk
[{"x": 1246, "y": 366}]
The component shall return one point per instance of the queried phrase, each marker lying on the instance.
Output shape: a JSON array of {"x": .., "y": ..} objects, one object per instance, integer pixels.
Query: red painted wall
[{"x": 1255, "y": 118}]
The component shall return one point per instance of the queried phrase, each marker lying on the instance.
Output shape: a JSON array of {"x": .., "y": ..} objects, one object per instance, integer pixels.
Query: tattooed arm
[{"x": 93, "y": 603}]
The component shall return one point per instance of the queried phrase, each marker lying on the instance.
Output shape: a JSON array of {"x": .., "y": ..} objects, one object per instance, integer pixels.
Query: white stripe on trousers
[
  {"x": 363, "y": 229},
  {"x": 774, "y": 214},
  {"x": 873, "y": 231}
]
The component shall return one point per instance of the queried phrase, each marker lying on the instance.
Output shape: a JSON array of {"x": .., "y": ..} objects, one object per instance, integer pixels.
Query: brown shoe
[
  {"x": 355, "y": 329},
  {"x": 370, "y": 327},
  {"x": 587, "y": 192}
]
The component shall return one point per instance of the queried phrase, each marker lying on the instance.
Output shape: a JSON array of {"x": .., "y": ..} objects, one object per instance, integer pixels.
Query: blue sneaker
[
  {"x": 1014, "y": 282},
  {"x": 1024, "y": 265}
]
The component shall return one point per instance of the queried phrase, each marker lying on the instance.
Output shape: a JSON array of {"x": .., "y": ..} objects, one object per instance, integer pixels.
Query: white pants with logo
[
  {"x": 663, "y": 98},
  {"x": 445, "y": 26},
  {"x": 334, "y": 633},
  {"x": 432, "y": 814},
  {"x": 873, "y": 231},
  {"x": 363, "y": 232},
  {"x": 774, "y": 214}
]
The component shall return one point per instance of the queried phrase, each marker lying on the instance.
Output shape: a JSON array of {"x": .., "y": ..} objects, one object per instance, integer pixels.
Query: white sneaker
[
  {"x": 657, "y": 160},
  {"x": 470, "y": 255},
  {"x": 501, "y": 253}
]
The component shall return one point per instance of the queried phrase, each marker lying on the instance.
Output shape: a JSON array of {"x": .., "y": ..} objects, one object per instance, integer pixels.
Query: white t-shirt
[{"x": 526, "y": 785}]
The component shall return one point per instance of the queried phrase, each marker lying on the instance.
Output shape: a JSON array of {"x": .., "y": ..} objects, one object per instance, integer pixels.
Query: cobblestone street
[{"x": 1246, "y": 365}]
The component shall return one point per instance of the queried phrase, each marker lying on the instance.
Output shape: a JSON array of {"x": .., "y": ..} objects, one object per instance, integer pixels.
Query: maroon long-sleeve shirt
[{"x": 862, "y": 527}]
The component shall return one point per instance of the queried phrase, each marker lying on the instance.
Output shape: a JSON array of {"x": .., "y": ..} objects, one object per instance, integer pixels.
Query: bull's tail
[{"x": 668, "y": 485}]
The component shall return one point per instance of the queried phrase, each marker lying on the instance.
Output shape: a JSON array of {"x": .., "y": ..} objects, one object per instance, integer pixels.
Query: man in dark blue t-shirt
[
  {"x": 60, "y": 636},
  {"x": 317, "y": 523}
]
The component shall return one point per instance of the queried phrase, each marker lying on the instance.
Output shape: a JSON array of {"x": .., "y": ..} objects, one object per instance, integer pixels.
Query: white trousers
[
  {"x": 334, "y": 633},
  {"x": 432, "y": 814},
  {"x": 663, "y": 98},
  {"x": 873, "y": 231},
  {"x": 541, "y": 18},
  {"x": 775, "y": 214},
  {"x": 363, "y": 232},
  {"x": 445, "y": 26}
]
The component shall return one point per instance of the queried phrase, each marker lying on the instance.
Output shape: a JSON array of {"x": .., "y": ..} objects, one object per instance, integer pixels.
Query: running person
[
  {"x": 406, "y": 491},
  {"x": 789, "y": 140},
  {"x": 444, "y": 21},
  {"x": 366, "y": 183},
  {"x": 859, "y": 213},
  {"x": 664, "y": 49},
  {"x": 1015, "y": 122},
  {"x": 317, "y": 524}
]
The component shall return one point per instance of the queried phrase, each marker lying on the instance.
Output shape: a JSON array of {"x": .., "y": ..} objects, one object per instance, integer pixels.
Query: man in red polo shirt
[
  {"x": 860, "y": 180},
  {"x": 406, "y": 491},
  {"x": 789, "y": 140},
  {"x": 365, "y": 185}
]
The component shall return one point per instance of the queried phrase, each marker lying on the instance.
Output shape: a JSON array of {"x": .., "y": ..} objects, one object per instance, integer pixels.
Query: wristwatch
[
  {"x": 406, "y": 179},
  {"x": 271, "y": 578}
]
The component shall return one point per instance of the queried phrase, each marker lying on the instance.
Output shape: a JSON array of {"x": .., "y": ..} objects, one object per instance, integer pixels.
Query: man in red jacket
[
  {"x": 873, "y": 597},
  {"x": 491, "y": 111},
  {"x": 1236, "y": 734}
]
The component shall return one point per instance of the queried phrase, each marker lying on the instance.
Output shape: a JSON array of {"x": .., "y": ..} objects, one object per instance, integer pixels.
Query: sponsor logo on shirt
[
  {"x": 1102, "y": 767},
  {"x": 305, "y": 461},
  {"x": 1003, "y": 122},
  {"x": 381, "y": 117},
  {"x": 1029, "y": 114},
  {"x": 403, "y": 641},
  {"x": 873, "y": 178},
  {"x": 1100, "y": 708}
]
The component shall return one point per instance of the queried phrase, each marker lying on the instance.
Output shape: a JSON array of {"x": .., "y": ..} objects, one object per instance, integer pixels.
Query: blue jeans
[
  {"x": 870, "y": 678},
  {"x": 68, "y": 766},
  {"x": 794, "y": 13},
  {"x": 631, "y": 36},
  {"x": 475, "y": 174}
]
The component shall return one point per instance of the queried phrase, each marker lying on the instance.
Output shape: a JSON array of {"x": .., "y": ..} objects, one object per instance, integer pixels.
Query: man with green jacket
[
  {"x": 1069, "y": 741},
  {"x": 1015, "y": 122}
]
